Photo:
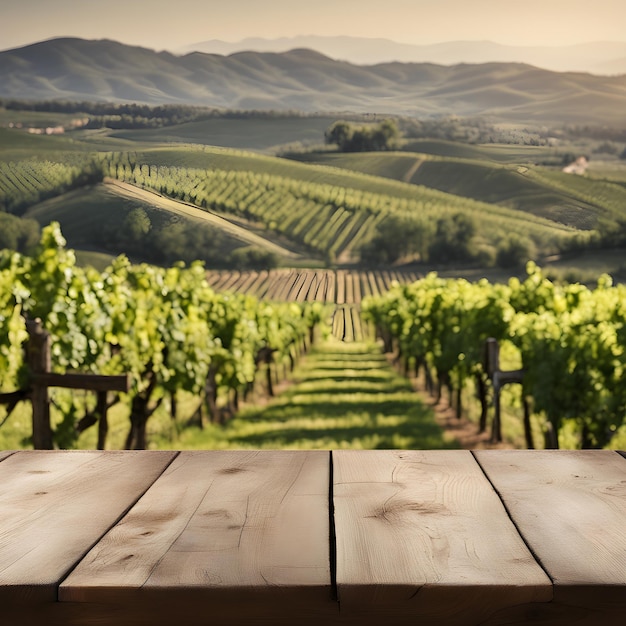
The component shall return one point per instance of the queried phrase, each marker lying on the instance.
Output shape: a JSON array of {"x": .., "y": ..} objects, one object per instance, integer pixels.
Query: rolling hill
[
  {"x": 90, "y": 218},
  {"x": 598, "y": 57},
  {"x": 78, "y": 69},
  {"x": 581, "y": 203}
]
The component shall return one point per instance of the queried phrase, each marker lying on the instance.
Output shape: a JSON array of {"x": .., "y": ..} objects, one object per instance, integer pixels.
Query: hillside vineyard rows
[
  {"x": 333, "y": 220},
  {"x": 343, "y": 288},
  {"x": 330, "y": 211},
  {"x": 326, "y": 212}
]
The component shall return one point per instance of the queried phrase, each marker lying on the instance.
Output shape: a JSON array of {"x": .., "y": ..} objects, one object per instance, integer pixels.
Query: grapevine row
[
  {"x": 25, "y": 183},
  {"x": 167, "y": 328},
  {"x": 568, "y": 339}
]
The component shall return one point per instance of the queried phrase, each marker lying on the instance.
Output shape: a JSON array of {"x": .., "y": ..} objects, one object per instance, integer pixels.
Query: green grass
[
  {"x": 344, "y": 396},
  {"x": 263, "y": 134},
  {"x": 500, "y": 153},
  {"x": 609, "y": 170}
]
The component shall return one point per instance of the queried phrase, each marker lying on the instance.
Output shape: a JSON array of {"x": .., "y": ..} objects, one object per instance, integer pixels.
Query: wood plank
[
  {"x": 55, "y": 505},
  {"x": 570, "y": 507},
  {"x": 422, "y": 535},
  {"x": 6, "y": 453},
  {"x": 93, "y": 382},
  {"x": 244, "y": 534}
]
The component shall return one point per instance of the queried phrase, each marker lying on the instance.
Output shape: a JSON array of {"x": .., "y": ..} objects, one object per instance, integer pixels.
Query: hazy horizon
[{"x": 157, "y": 26}]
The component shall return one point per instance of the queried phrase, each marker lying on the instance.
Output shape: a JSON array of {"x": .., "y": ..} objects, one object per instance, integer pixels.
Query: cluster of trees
[
  {"x": 18, "y": 234},
  {"x": 468, "y": 130},
  {"x": 113, "y": 115},
  {"x": 167, "y": 240},
  {"x": 599, "y": 133},
  {"x": 131, "y": 115},
  {"x": 374, "y": 137},
  {"x": 450, "y": 239}
]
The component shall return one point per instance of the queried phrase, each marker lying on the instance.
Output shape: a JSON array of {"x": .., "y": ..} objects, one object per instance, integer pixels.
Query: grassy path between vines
[{"x": 342, "y": 396}]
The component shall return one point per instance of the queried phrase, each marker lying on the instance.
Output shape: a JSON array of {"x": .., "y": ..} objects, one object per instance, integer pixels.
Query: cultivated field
[
  {"x": 342, "y": 290},
  {"x": 313, "y": 209}
]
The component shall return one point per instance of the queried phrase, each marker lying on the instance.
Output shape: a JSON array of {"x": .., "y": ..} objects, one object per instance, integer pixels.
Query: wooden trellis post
[
  {"x": 38, "y": 361},
  {"x": 41, "y": 378},
  {"x": 500, "y": 378}
]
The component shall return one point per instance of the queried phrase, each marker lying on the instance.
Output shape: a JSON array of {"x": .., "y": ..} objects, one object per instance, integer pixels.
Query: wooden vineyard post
[
  {"x": 41, "y": 378},
  {"x": 500, "y": 378},
  {"x": 38, "y": 359},
  {"x": 103, "y": 422}
]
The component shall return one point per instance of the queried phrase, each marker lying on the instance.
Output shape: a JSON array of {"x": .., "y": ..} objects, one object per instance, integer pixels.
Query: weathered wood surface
[
  {"x": 423, "y": 536},
  {"x": 55, "y": 505},
  {"x": 5, "y": 453},
  {"x": 570, "y": 507},
  {"x": 236, "y": 535},
  {"x": 243, "y": 538}
]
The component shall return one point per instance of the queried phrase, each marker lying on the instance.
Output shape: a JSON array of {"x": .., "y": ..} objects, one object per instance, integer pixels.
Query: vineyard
[
  {"x": 330, "y": 220},
  {"x": 182, "y": 331},
  {"x": 166, "y": 329},
  {"x": 576, "y": 201},
  {"x": 344, "y": 289},
  {"x": 569, "y": 341},
  {"x": 327, "y": 213},
  {"x": 25, "y": 183}
]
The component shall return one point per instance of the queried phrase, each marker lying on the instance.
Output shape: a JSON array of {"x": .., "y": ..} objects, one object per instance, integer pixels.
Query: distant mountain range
[
  {"x": 301, "y": 79},
  {"x": 600, "y": 57}
]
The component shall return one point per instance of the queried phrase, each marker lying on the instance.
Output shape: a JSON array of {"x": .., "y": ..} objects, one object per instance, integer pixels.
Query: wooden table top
[{"x": 309, "y": 537}]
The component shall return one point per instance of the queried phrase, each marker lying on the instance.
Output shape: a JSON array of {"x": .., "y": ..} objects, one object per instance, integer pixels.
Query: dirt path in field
[
  {"x": 155, "y": 199},
  {"x": 409, "y": 175},
  {"x": 463, "y": 430}
]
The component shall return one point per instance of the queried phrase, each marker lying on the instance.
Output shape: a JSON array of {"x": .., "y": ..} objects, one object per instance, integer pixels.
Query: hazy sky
[{"x": 169, "y": 24}]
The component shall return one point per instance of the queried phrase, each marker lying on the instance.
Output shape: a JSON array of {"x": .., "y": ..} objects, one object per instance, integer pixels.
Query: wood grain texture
[
  {"x": 423, "y": 536},
  {"x": 246, "y": 533},
  {"x": 6, "y": 453},
  {"x": 55, "y": 505},
  {"x": 570, "y": 507}
]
